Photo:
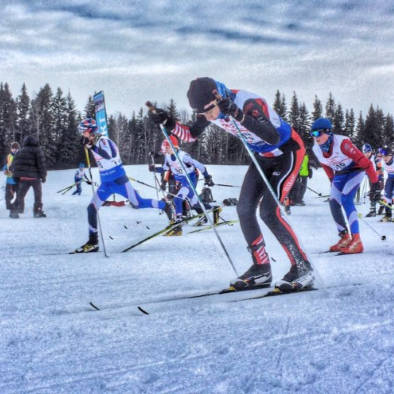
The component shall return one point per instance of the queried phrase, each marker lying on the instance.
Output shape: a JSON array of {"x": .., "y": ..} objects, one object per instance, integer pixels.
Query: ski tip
[
  {"x": 143, "y": 310},
  {"x": 94, "y": 306}
]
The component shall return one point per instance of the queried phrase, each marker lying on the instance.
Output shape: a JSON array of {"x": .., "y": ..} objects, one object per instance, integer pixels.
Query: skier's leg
[
  {"x": 336, "y": 202},
  {"x": 101, "y": 195},
  {"x": 349, "y": 190},
  {"x": 286, "y": 169},
  {"x": 136, "y": 201},
  {"x": 23, "y": 188},
  {"x": 37, "y": 188}
]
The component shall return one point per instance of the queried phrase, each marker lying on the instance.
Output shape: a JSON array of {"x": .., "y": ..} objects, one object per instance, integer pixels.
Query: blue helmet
[
  {"x": 322, "y": 124},
  {"x": 366, "y": 148},
  {"x": 89, "y": 125},
  {"x": 385, "y": 151}
]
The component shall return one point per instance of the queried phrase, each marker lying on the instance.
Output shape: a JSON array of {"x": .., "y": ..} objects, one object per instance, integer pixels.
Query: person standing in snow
[
  {"x": 29, "y": 169},
  {"x": 78, "y": 177},
  {"x": 345, "y": 166},
  {"x": 184, "y": 190},
  {"x": 113, "y": 181},
  {"x": 279, "y": 151},
  {"x": 388, "y": 165},
  {"x": 373, "y": 197},
  {"x": 11, "y": 184}
]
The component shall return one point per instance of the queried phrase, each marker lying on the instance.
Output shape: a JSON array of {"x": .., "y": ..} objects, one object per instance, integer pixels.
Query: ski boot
[
  {"x": 39, "y": 214},
  {"x": 371, "y": 214},
  {"x": 90, "y": 246},
  {"x": 380, "y": 210},
  {"x": 355, "y": 246},
  {"x": 175, "y": 231},
  {"x": 300, "y": 277},
  {"x": 387, "y": 216},
  {"x": 386, "y": 219},
  {"x": 201, "y": 221},
  {"x": 14, "y": 215},
  {"x": 343, "y": 242},
  {"x": 259, "y": 274},
  {"x": 216, "y": 214}
]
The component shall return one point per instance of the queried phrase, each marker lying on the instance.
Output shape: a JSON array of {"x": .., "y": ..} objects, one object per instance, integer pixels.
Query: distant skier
[
  {"x": 185, "y": 191},
  {"x": 375, "y": 196},
  {"x": 11, "y": 183},
  {"x": 113, "y": 181},
  {"x": 389, "y": 186},
  {"x": 279, "y": 151},
  {"x": 79, "y": 177},
  {"x": 345, "y": 166}
]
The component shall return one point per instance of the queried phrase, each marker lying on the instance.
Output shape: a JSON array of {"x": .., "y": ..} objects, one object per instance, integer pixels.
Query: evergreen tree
[
  {"x": 89, "y": 110},
  {"x": 8, "y": 117},
  {"x": 70, "y": 148},
  {"x": 304, "y": 126},
  {"x": 359, "y": 130},
  {"x": 350, "y": 123},
  {"x": 317, "y": 109},
  {"x": 294, "y": 114},
  {"x": 43, "y": 122},
  {"x": 338, "y": 121},
  {"x": 330, "y": 107},
  {"x": 60, "y": 118},
  {"x": 388, "y": 131},
  {"x": 280, "y": 105},
  {"x": 22, "y": 108}
]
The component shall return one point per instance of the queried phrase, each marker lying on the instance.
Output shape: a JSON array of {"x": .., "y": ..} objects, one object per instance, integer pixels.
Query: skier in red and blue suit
[{"x": 279, "y": 151}]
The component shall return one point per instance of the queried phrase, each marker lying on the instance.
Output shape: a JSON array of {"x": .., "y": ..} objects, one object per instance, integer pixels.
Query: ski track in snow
[{"x": 338, "y": 339}]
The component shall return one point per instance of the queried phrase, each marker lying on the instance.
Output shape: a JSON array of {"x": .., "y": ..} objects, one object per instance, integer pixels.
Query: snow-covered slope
[{"x": 335, "y": 340}]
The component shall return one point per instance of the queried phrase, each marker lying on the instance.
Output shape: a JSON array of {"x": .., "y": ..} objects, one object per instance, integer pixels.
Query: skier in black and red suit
[{"x": 279, "y": 151}]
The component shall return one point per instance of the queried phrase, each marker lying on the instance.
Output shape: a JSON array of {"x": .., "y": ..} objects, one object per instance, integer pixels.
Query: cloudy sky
[{"x": 151, "y": 49}]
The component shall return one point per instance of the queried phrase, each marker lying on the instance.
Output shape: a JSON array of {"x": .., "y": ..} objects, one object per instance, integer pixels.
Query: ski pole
[
  {"x": 164, "y": 131},
  {"x": 67, "y": 188},
  {"x": 152, "y": 160},
  {"x": 382, "y": 237},
  {"x": 314, "y": 191},
  {"x": 384, "y": 203},
  {"x": 93, "y": 192},
  {"x": 221, "y": 184},
  {"x": 148, "y": 185},
  {"x": 261, "y": 172}
]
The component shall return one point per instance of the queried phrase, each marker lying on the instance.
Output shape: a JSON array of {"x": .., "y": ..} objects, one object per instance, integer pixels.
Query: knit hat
[
  {"x": 321, "y": 124},
  {"x": 201, "y": 92}
]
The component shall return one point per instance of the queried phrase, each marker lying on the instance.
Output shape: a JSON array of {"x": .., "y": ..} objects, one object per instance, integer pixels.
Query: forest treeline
[{"x": 53, "y": 117}]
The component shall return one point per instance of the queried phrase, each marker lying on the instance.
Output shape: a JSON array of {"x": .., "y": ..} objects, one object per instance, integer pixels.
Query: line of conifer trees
[{"x": 53, "y": 118}]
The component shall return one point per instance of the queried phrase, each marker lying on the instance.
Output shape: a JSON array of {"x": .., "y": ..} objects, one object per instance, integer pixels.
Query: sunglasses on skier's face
[{"x": 317, "y": 133}]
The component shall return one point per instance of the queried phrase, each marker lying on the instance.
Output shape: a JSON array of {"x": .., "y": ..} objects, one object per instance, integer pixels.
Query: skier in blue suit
[{"x": 113, "y": 181}]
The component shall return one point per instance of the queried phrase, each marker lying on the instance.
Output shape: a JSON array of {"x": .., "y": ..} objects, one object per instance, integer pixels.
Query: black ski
[
  {"x": 209, "y": 227},
  {"x": 164, "y": 230},
  {"x": 275, "y": 291},
  {"x": 227, "y": 290}
]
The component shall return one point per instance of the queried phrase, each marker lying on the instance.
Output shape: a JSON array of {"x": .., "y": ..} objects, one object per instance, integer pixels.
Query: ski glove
[
  {"x": 162, "y": 117},
  {"x": 152, "y": 168},
  {"x": 209, "y": 181},
  {"x": 43, "y": 180},
  {"x": 228, "y": 107}
]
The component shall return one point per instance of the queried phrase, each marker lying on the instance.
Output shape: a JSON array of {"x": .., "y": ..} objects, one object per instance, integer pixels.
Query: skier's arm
[
  {"x": 190, "y": 133},
  {"x": 329, "y": 171},
  {"x": 189, "y": 160},
  {"x": 255, "y": 118},
  {"x": 361, "y": 161}
]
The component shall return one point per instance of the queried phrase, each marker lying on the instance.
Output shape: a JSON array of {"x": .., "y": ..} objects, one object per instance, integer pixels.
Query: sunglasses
[
  {"x": 317, "y": 133},
  {"x": 210, "y": 108}
]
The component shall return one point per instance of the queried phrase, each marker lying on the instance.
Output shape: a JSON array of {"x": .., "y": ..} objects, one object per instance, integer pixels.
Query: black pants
[
  {"x": 301, "y": 189},
  {"x": 10, "y": 191},
  {"x": 281, "y": 172},
  {"x": 23, "y": 188}
]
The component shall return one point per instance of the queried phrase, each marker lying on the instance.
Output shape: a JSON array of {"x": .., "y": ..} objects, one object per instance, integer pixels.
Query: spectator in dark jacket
[{"x": 29, "y": 168}]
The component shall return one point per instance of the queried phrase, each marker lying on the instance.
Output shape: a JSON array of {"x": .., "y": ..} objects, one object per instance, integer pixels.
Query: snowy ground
[{"x": 335, "y": 340}]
